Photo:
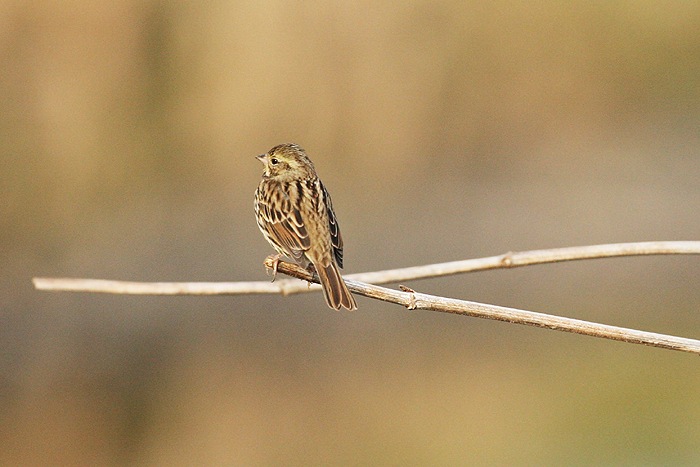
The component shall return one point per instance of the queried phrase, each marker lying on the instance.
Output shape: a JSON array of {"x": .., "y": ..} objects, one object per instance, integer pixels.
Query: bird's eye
[{"x": 274, "y": 161}]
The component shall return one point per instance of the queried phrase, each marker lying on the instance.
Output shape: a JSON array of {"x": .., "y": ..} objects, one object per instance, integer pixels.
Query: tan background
[{"x": 444, "y": 130}]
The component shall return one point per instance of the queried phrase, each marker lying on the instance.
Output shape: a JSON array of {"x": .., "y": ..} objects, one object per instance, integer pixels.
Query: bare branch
[
  {"x": 361, "y": 284},
  {"x": 528, "y": 258},
  {"x": 419, "y": 301},
  {"x": 68, "y": 284},
  {"x": 287, "y": 287}
]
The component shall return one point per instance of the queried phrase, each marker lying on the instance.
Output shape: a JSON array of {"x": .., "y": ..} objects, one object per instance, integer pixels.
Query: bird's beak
[{"x": 262, "y": 158}]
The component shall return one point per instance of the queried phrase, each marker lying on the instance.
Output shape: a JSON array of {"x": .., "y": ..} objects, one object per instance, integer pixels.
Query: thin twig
[
  {"x": 528, "y": 258},
  {"x": 360, "y": 284},
  {"x": 69, "y": 284},
  {"x": 287, "y": 287},
  {"x": 420, "y": 301}
]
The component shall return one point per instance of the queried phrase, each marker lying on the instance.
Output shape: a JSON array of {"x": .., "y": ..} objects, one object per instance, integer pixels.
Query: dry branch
[
  {"x": 361, "y": 284},
  {"x": 419, "y": 301},
  {"x": 528, "y": 258},
  {"x": 287, "y": 287}
]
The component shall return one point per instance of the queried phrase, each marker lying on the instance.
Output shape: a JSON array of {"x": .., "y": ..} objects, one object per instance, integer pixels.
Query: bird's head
[{"x": 287, "y": 162}]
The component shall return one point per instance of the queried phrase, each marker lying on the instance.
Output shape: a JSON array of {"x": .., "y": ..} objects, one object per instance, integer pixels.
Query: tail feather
[{"x": 334, "y": 289}]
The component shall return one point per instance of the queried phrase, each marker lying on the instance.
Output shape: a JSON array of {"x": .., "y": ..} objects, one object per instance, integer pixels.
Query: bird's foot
[
  {"x": 275, "y": 259},
  {"x": 312, "y": 269}
]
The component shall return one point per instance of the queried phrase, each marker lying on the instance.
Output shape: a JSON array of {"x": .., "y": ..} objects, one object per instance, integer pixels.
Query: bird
[{"x": 295, "y": 215}]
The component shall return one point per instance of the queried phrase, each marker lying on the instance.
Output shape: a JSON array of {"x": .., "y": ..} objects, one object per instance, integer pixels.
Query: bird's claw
[{"x": 275, "y": 259}]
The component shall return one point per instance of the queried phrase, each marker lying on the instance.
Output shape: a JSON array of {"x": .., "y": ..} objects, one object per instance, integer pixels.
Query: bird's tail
[{"x": 334, "y": 289}]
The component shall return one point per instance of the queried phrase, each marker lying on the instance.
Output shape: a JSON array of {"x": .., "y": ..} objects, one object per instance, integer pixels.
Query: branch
[
  {"x": 419, "y": 301},
  {"x": 528, "y": 258},
  {"x": 413, "y": 300},
  {"x": 288, "y": 287}
]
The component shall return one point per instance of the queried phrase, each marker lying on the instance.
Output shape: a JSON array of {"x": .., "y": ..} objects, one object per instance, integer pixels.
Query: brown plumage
[{"x": 295, "y": 214}]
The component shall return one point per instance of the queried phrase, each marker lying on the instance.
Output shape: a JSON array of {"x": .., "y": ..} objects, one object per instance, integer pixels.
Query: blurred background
[{"x": 444, "y": 131}]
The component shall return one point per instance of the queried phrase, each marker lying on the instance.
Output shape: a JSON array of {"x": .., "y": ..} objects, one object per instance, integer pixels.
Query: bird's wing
[
  {"x": 336, "y": 237},
  {"x": 279, "y": 216}
]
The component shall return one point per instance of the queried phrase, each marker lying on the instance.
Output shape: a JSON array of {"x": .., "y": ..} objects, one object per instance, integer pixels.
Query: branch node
[
  {"x": 507, "y": 260},
  {"x": 411, "y": 305}
]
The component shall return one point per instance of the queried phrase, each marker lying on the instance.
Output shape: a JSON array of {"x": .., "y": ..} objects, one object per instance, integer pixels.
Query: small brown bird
[{"x": 295, "y": 214}]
